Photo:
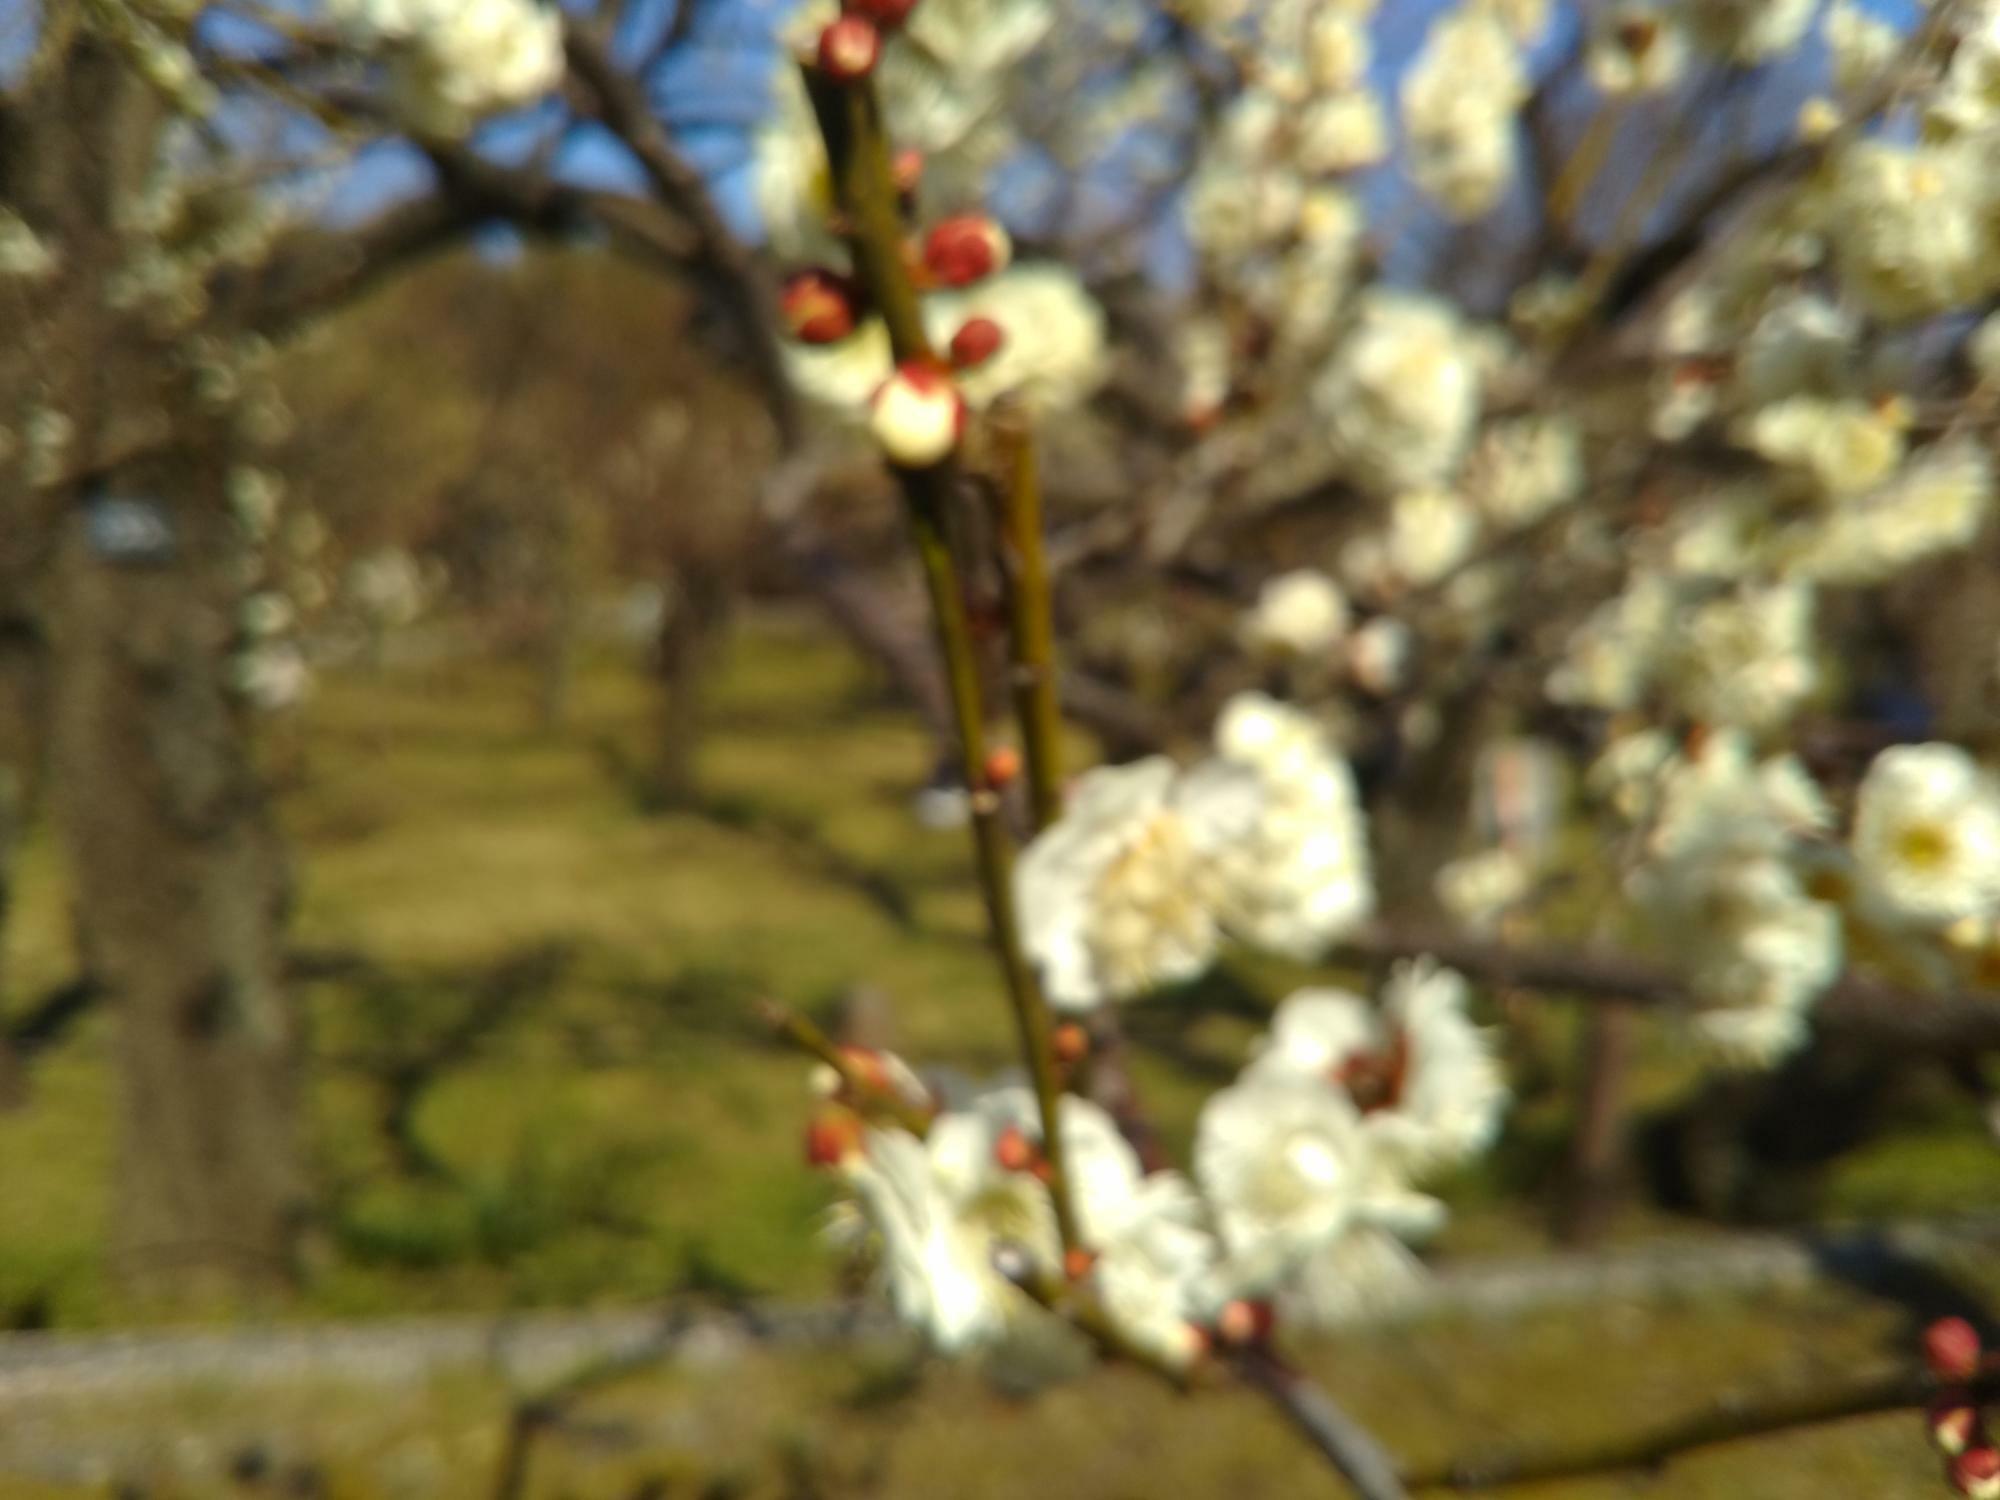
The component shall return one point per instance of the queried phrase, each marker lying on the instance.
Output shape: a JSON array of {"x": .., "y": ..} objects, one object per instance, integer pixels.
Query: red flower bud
[
  {"x": 965, "y": 248},
  {"x": 1954, "y": 1422},
  {"x": 887, "y": 14},
  {"x": 1070, "y": 1042},
  {"x": 906, "y": 169},
  {"x": 977, "y": 340},
  {"x": 818, "y": 307},
  {"x": 1014, "y": 1151},
  {"x": 1976, "y": 1473},
  {"x": 917, "y": 416},
  {"x": 1243, "y": 1323},
  {"x": 849, "y": 48},
  {"x": 1003, "y": 764},
  {"x": 1077, "y": 1262},
  {"x": 833, "y": 1135},
  {"x": 1951, "y": 1349}
]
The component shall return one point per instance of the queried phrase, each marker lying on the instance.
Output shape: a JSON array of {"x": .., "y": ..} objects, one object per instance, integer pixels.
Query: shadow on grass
[{"x": 797, "y": 835}]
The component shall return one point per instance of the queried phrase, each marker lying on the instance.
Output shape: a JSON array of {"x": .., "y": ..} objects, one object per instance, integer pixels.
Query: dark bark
[
  {"x": 1599, "y": 1149},
  {"x": 691, "y": 631},
  {"x": 182, "y": 891}
]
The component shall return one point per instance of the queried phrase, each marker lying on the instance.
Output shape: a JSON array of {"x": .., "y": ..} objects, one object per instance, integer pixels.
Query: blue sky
[{"x": 715, "y": 87}]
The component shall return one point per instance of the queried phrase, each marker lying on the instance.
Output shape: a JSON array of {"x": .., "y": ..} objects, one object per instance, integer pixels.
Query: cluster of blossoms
[
  {"x": 1027, "y": 331},
  {"x": 453, "y": 61},
  {"x": 1300, "y": 1204},
  {"x": 1268, "y": 206},
  {"x": 1743, "y": 873},
  {"x": 1953, "y": 1351},
  {"x": 1152, "y": 864}
]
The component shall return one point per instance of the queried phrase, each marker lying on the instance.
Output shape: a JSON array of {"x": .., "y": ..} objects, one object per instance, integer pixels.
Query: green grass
[{"x": 618, "y": 1129}]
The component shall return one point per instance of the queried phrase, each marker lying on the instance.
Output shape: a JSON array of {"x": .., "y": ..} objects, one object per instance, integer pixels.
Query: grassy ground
[
  {"x": 568, "y": 976},
  {"x": 749, "y": 1425}
]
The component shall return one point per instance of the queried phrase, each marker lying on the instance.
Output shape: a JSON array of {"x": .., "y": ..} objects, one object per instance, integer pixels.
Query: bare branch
[
  {"x": 1730, "y": 1417},
  {"x": 1345, "y": 1443}
]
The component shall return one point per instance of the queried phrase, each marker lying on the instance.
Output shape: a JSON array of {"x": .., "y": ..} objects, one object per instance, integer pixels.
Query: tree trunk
[
  {"x": 1598, "y": 1157},
  {"x": 20, "y": 721},
  {"x": 690, "y": 632},
  {"x": 182, "y": 895}
]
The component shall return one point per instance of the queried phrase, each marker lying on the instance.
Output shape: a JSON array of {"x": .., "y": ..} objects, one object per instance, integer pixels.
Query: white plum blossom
[
  {"x": 452, "y": 61},
  {"x": 1458, "y": 102},
  {"x": 1927, "y": 833},
  {"x": 1523, "y": 468},
  {"x": 1135, "y": 885},
  {"x": 842, "y": 375},
  {"x": 941, "y": 1209},
  {"x": 1424, "y": 1078},
  {"x": 1748, "y": 32},
  {"x": 1154, "y": 1256},
  {"x": 1843, "y": 446},
  {"x": 272, "y": 675},
  {"x": 1480, "y": 888},
  {"x": 1744, "y": 658},
  {"x": 1343, "y": 132},
  {"x": 1636, "y": 49},
  {"x": 1611, "y": 657},
  {"x": 1113, "y": 897},
  {"x": 1287, "y": 1169},
  {"x": 1722, "y": 884},
  {"x": 1431, "y": 532},
  {"x": 1863, "y": 45},
  {"x": 1298, "y": 876},
  {"x": 1938, "y": 503},
  {"x": 1053, "y": 354},
  {"x": 1401, "y": 394},
  {"x": 1909, "y": 225},
  {"x": 1300, "y": 613}
]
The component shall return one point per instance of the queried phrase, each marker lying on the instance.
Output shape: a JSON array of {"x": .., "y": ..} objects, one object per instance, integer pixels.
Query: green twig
[
  {"x": 1030, "y": 613},
  {"x": 868, "y": 1095},
  {"x": 851, "y": 123}
]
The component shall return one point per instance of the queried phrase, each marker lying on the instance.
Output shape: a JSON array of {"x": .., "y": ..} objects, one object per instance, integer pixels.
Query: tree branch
[
  {"x": 1729, "y": 1418},
  {"x": 1855, "y": 1004},
  {"x": 1344, "y": 1442}
]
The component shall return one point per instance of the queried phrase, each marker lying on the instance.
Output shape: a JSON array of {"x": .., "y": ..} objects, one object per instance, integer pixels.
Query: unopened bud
[
  {"x": 1077, "y": 1262},
  {"x": 1003, "y": 764},
  {"x": 917, "y": 416},
  {"x": 818, "y": 307},
  {"x": 1951, "y": 1349},
  {"x": 1070, "y": 1042},
  {"x": 1976, "y": 1473},
  {"x": 849, "y": 48},
  {"x": 833, "y": 1136},
  {"x": 977, "y": 340},
  {"x": 906, "y": 169},
  {"x": 866, "y": 1067},
  {"x": 1243, "y": 1323},
  {"x": 1954, "y": 1422},
  {"x": 965, "y": 248},
  {"x": 887, "y": 14},
  {"x": 1014, "y": 1151}
]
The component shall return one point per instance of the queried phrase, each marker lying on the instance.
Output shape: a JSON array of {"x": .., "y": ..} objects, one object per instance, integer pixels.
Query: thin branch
[
  {"x": 867, "y": 1092},
  {"x": 1344, "y": 1442},
  {"x": 1031, "y": 630},
  {"x": 1854, "y": 1005},
  {"x": 1731, "y": 1417},
  {"x": 622, "y": 107},
  {"x": 850, "y": 119}
]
